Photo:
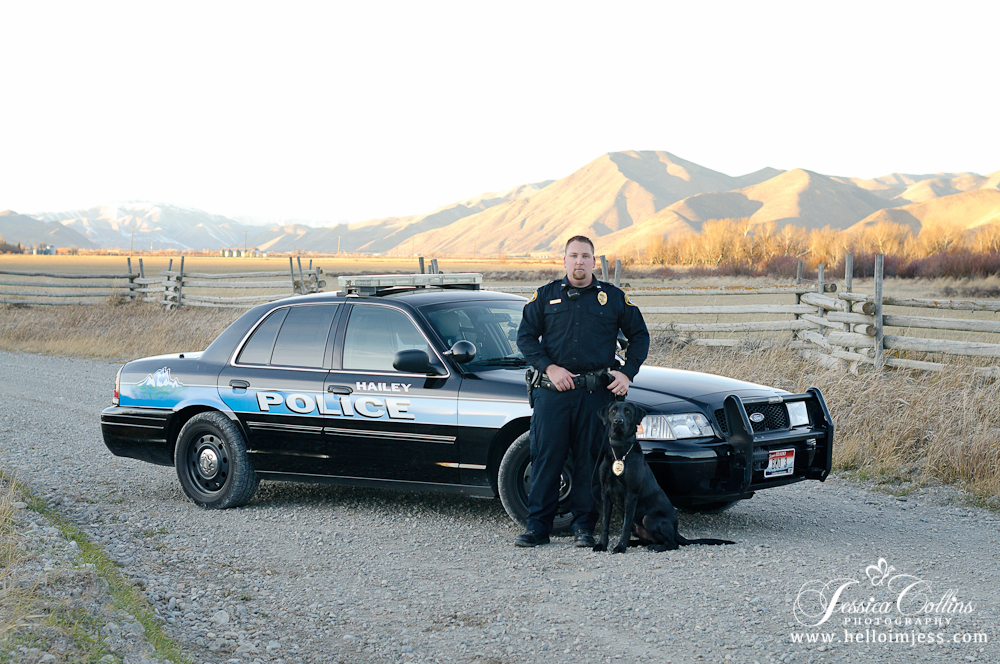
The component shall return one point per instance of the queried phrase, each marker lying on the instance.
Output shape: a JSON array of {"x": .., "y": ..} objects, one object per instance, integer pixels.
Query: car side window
[
  {"x": 258, "y": 348},
  {"x": 302, "y": 339},
  {"x": 375, "y": 334}
]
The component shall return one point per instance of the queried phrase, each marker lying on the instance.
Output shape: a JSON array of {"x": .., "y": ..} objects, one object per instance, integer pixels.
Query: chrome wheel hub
[{"x": 208, "y": 463}]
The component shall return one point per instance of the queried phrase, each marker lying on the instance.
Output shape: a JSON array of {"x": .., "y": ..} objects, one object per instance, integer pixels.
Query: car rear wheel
[
  {"x": 514, "y": 483},
  {"x": 212, "y": 462}
]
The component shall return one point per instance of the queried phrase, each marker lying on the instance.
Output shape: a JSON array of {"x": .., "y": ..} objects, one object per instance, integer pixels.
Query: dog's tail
[{"x": 683, "y": 541}]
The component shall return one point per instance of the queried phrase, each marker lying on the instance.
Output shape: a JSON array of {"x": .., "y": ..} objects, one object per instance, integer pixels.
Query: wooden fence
[
  {"x": 832, "y": 325},
  {"x": 850, "y": 330},
  {"x": 172, "y": 288},
  {"x": 843, "y": 329},
  {"x": 53, "y": 288}
]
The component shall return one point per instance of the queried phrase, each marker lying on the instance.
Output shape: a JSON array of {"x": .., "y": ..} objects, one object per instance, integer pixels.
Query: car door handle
[
  {"x": 239, "y": 384},
  {"x": 339, "y": 389}
]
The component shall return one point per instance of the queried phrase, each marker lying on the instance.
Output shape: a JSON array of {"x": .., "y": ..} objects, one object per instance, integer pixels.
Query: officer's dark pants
[{"x": 565, "y": 422}]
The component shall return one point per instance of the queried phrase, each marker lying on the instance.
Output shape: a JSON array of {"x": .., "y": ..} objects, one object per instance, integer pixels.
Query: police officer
[{"x": 568, "y": 331}]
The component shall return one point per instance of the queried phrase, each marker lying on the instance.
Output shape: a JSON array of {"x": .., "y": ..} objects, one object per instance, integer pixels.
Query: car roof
[{"x": 418, "y": 297}]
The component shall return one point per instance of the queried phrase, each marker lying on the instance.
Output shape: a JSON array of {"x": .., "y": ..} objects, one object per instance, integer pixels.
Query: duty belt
[{"x": 589, "y": 381}]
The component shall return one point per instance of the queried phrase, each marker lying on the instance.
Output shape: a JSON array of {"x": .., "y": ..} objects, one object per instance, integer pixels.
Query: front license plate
[{"x": 780, "y": 463}]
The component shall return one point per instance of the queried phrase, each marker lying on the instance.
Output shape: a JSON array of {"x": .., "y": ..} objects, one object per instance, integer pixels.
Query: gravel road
[{"x": 320, "y": 573}]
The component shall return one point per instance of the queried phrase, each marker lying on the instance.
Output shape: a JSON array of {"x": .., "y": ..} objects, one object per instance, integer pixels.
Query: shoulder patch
[
  {"x": 628, "y": 301},
  {"x": 534, "y": 296}
]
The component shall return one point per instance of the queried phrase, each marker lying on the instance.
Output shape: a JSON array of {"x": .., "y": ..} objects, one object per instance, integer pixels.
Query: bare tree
[{"x": 985, "y": 239}]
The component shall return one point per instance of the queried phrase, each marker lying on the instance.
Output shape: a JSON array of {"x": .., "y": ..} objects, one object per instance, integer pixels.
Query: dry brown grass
[
  {"x": 17, "y": 602},
  {"x": 110, "y": 330},
  {"x": 904, "y": 427}
]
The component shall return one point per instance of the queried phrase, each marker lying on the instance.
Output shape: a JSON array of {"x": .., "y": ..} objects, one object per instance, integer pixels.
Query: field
[{"x": 330, "y": 264}]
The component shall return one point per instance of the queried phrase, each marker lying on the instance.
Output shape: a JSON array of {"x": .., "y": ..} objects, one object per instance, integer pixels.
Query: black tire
[
  {"x": 514, "y": 482},
  {"x": 212, "y": 462}
]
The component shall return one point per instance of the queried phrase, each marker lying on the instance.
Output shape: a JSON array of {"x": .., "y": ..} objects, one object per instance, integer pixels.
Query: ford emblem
[{"x": 757, "y": 417}]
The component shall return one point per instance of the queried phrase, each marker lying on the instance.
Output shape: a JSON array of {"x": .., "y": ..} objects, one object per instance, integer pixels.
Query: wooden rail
[
  {"x": 171, "y": 288},
  {"x": 852, "y": 331},
  {"x": 176, "y": 285},
  {"x": 68, "y": 289}
]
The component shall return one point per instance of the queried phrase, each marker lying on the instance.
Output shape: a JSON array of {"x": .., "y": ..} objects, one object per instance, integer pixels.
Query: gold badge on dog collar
[
  {"x": 618, "y": 467},
  {"x": 602, "y": 297}
]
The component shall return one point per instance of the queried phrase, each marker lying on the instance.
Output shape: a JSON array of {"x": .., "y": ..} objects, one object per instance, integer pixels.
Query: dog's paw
[
  {"x": 600, "y": 547},
  {"x": 620, "y": 548}
]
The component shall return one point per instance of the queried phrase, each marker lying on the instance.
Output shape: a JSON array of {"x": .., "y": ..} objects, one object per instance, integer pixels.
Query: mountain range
[{"x": 621, "y": 199}]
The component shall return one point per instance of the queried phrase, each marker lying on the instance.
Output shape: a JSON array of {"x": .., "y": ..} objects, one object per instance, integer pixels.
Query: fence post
[
  {"x": 798, "y": 281},
  {"x": 618, "y": 272},
  {"x": 604, "y": 268},
  {"x": 180, "y": 283},
  {"x": 848, "y": 282},
  {"x": 879, "y": 338},
  {"x": 131, "y": 279},
  {"x": 434, "y": 266},
  {"x": 302, "y": 278},
  {"x": 421, "y": 260},
  {"x": 820, "y": 310}
]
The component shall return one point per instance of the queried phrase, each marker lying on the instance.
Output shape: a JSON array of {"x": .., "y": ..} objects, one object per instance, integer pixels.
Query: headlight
[
  {"x": 798, "y": 414},
  {"x": 671, "y": 427}
]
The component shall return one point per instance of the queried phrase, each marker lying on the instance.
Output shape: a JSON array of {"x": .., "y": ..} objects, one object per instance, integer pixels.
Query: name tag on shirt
[{"x": 555, "y": 301}]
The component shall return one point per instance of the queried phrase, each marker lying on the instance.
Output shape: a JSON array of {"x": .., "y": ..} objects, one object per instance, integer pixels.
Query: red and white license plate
[{"x": 780, "y": 463}]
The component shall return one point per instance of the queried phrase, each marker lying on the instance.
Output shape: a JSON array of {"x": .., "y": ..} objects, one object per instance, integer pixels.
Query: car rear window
[
  {"x": 302, "y": 339},
  {"x": 258, "y": 347}
]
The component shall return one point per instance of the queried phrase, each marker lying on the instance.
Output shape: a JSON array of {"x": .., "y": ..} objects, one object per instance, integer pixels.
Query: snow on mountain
[{"x": 153, "y": 225}]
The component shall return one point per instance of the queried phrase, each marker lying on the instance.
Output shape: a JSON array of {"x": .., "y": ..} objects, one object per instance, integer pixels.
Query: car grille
[{"x": 775, "y": 417}]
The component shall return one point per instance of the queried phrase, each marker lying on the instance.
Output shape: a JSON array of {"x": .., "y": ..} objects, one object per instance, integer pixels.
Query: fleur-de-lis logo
[{"x": 877, "y": 574}]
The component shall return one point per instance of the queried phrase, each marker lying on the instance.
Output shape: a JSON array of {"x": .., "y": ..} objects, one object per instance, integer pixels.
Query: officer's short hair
[{"x": 578, "y": 238}]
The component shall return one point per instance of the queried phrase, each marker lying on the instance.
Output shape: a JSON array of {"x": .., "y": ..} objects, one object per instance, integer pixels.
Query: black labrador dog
[{"x": 627, "y": 481}]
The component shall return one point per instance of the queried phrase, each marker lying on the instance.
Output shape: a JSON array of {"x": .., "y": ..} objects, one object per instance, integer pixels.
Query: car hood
[
  {"x": 660, "y": 387},
  {"x": 657, "y": 388}
]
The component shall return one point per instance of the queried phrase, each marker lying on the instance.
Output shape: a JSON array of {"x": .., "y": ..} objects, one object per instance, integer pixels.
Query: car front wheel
[
  {"x": 514, "y": 483},
  {"x": 212, "y": 462}
]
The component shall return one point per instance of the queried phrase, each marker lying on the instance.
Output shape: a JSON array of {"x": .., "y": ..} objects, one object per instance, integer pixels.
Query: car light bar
[{"x": 374, "y": 284}]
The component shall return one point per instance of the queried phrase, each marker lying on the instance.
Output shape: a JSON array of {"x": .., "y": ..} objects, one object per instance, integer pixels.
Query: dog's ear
[
  {"x": 640, "y": 413},
  {"x": 603, "y": 412}
]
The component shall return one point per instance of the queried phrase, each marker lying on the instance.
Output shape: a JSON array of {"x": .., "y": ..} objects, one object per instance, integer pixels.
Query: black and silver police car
[{"x": 416, "y": 382}]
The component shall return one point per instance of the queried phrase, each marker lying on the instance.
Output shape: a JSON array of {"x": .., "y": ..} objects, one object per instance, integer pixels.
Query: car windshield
[{"x": 491, "y": 326}]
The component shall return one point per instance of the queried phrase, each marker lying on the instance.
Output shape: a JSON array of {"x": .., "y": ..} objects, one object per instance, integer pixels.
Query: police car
[{"x": 416, "y": 382}]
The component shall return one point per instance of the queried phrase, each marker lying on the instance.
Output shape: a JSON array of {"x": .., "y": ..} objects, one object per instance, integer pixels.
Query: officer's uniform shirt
[{"x": 579, "y": 335}]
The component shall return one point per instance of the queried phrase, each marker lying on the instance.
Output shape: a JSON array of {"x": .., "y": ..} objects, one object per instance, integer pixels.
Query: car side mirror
[
  {"x": 622, "y": 341},
  {"x": 462, "y": 352},
  {"x": 414, "y": 361}
]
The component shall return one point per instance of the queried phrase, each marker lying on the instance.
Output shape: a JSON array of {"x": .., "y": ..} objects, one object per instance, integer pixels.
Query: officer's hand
[
  {"x": 561, "y": 378},
  {"x": 620, "y": 383}
]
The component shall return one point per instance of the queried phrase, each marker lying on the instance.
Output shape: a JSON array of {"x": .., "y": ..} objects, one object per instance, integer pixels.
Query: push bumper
[{"x": 700, "y": 471}]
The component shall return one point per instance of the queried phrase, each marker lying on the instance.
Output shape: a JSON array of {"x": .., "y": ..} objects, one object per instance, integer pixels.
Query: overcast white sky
[{"x": 347, "y": 111}]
